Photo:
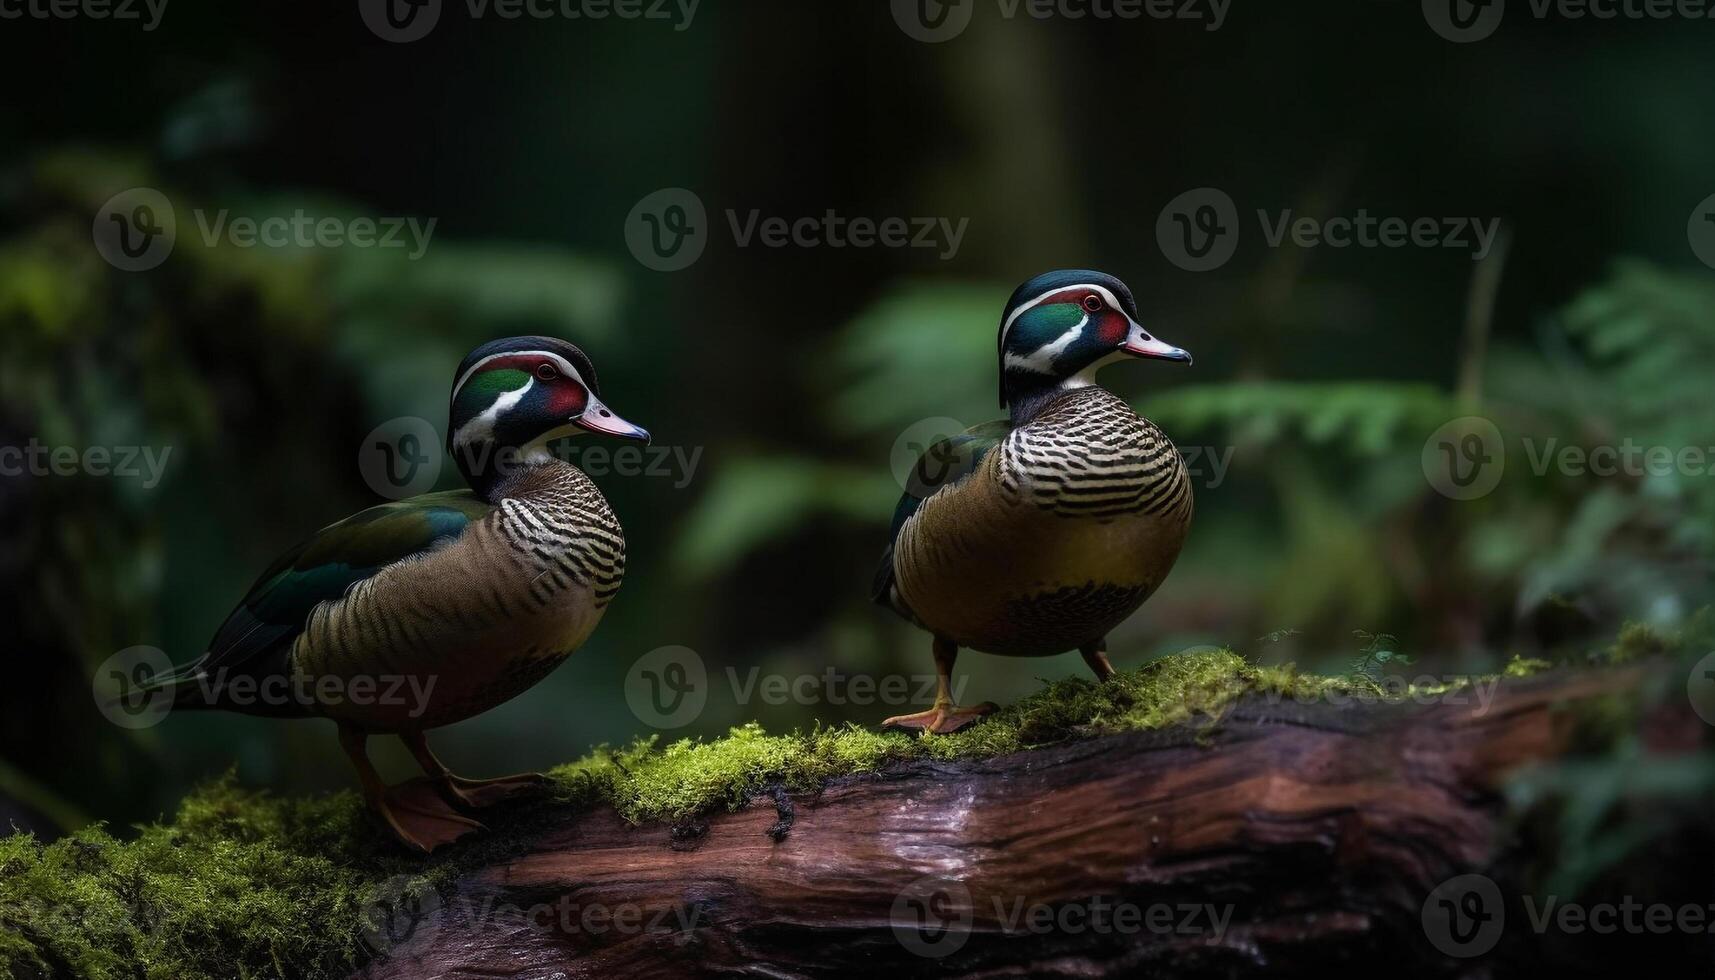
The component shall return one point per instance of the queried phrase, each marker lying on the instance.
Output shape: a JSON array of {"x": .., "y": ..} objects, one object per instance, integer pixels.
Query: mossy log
[{"x": 1289, "y": 838}]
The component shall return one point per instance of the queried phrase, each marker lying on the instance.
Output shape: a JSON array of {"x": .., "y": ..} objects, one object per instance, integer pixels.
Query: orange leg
[
  {"x": 420, "y": 821},
  {"x": 945, "y": 716},
  {"x": 1096, "y": 655},
  {"x": 474, "y": 793}
]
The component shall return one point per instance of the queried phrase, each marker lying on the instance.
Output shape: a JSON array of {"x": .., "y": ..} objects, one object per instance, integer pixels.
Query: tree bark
[{"x": 1288, "y": 838}]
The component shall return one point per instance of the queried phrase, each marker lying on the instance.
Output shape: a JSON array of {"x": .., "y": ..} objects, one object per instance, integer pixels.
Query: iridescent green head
[
  {"x": 512, "y": 397},
  {"x": 1060, "y": 328}
]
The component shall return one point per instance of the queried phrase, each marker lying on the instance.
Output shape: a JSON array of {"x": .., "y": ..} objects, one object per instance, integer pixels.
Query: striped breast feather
[
  {"x": 1092, "y": 456},
  {"x": 257, "y": 636},
  {"x": 574, "y": 538},
  {"x": 944, "y": 464}
]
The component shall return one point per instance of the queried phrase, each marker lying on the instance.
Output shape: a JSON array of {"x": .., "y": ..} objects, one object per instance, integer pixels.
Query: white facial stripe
[
  {"x": 483, "y": 425},
  {"x": 1041, "y": 360},
  {"x": 1038, "y": 301},
  {"x": 564, "y": 365}
]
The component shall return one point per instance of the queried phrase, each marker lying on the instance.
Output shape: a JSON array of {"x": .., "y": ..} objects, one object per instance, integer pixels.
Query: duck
[
  {"x": 420, "y": 613},
  {"x": 1039, "y": 533}
]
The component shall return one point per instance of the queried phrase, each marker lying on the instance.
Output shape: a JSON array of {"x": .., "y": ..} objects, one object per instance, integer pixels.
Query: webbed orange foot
[
  {"x": 417, "y": 815},
  {"x": 479, "y": 793},
  {"x": 942, "y": 719}
]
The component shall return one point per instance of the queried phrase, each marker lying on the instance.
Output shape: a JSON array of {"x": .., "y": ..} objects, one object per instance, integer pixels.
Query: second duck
[{"x": 1040, "y": 533}]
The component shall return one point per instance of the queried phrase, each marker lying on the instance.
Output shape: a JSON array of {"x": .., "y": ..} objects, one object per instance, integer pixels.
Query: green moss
[
  {"x": 1525, "y": 667},
  {"x": 1637, "y": 641},
  {"x": 247, "y": 885},
  {"x": 1694, "y": 636},
  {"x": 238, "y": 885},
  {"x": 689, "y": 777}
]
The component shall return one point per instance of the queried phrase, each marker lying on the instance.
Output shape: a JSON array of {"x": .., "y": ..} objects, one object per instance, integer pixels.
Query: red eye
[
  {"x": 546, "y": 372},
  {"x": 1093, "y": 303}
]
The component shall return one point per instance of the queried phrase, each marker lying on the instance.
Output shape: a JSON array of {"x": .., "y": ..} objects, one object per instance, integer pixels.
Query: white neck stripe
[
  {"x": 483, "y": 425},
  {"x": 1041, "y": 360}
]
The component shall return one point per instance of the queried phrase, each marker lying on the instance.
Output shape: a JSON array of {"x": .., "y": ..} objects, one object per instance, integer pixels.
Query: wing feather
[
  {"x": 258, "y": 634},
  {"x": 945, "y": 465}
]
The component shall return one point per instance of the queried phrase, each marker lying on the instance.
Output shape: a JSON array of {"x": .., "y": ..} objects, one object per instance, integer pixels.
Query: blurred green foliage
[
  {"x": 1355, "y": 532},
  {"x": 801, "y": 372}
]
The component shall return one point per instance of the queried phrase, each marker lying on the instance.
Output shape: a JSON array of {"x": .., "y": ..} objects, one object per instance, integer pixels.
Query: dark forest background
[{"x": 797, "y": 372}]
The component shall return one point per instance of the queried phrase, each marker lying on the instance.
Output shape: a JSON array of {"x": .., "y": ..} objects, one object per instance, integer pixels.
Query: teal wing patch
[
  {"x": 256, "y": 636},
  {"x": 944, "y": 464}
]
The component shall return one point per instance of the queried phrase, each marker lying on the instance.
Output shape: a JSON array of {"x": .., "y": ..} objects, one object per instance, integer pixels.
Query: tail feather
[{"x": 182, "y": 686}]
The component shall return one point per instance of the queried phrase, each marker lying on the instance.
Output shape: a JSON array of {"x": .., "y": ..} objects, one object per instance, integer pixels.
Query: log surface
[{"x": 1287, "y": 839}]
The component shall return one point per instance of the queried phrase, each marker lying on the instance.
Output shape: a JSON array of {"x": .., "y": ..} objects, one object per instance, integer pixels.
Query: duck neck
[
  {"x": 1027, "y": 394},
  {"x": 494, "y": 470}
]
